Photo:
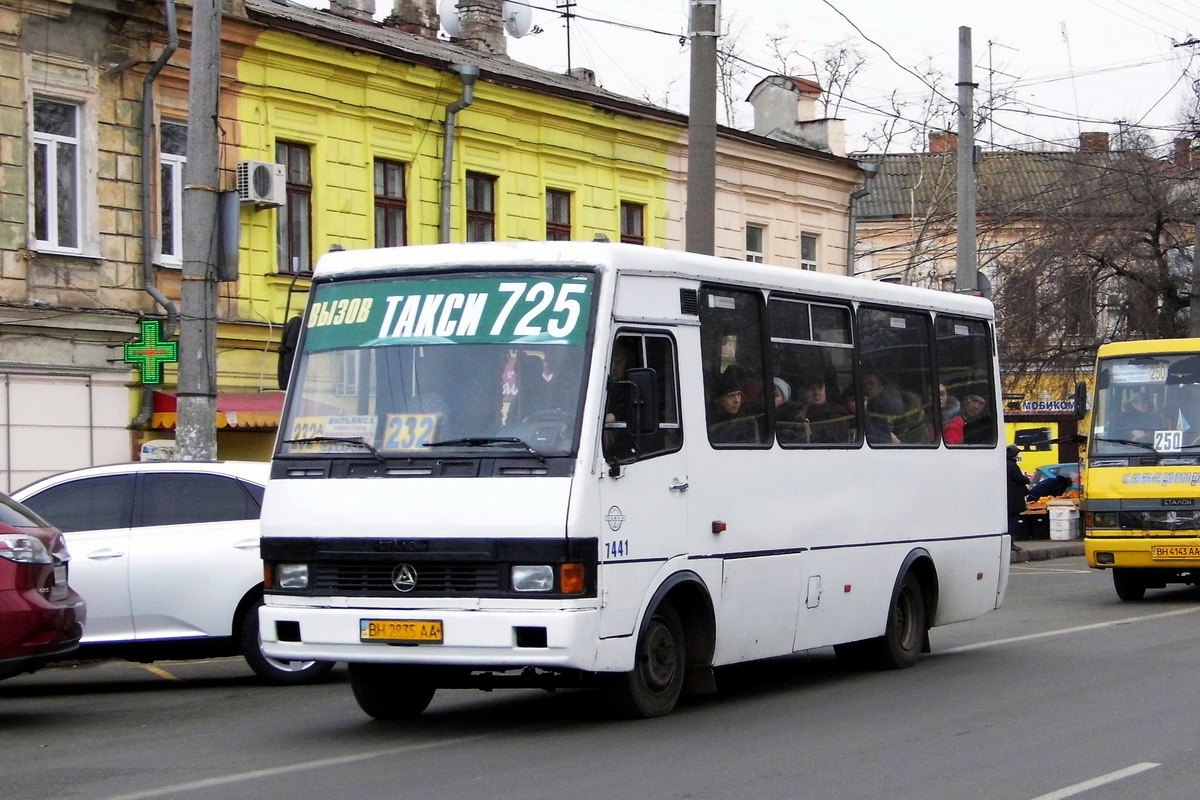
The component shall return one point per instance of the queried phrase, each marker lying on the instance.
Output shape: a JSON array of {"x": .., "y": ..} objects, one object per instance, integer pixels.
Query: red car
[{"x": 41, "y": 616}]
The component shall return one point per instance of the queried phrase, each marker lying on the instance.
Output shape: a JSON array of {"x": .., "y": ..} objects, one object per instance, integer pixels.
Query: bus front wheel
[
  {"x": 653, "y": 686},
  {"x": 1129, "y": 584},
  {"x": 391, "y": 691}
]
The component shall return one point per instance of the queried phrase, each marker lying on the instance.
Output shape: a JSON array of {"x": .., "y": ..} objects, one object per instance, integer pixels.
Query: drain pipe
[
  {"x": 143, "y": 416},
  {"x": 870, "y": 170},
  {"x": 468, "y": 73}
]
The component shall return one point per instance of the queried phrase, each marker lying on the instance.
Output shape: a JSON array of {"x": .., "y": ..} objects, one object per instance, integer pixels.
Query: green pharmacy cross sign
[{"x": 149, "y": 352}]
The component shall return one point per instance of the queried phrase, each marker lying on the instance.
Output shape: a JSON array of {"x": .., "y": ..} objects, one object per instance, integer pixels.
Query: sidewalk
[{"x": 1042, "y": 549}]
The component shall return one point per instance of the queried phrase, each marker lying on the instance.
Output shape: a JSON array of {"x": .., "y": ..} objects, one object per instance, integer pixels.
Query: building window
[
  {"x": 558, "y": 216},
  {"x": 755, "y": 236},
  {"x": 808, "y": 251},
  {"x": 172, "y": 155},
  {"x": 390, "y": 204},
  {"x": 633, "y": 217},
  {"x": 295, "y": 218},
  {"x": 56, "y": 174},
  {"x": 481, "y": 208}
]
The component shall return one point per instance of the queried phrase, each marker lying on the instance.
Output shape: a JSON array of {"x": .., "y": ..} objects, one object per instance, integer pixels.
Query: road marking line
[
  {"x": 1112, "y": 777},
  {"x": 966, "y": 648},
  {"x": 162, "y": 673},
  {"x": 226, "y": 780}
]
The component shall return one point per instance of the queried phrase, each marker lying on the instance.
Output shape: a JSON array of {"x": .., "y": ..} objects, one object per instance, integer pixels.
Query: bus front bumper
[
  {"x": 484, "y": 639},
  {"x": 1144, "y": 552}
]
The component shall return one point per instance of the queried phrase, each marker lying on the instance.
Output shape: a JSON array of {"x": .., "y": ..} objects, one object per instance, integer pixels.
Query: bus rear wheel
[
  {"x": 1129, "y": 584},
  {"x": 391, "y": 691},
  {"x": 653, "y": 686},
  {"x": 904, "y": 633}
]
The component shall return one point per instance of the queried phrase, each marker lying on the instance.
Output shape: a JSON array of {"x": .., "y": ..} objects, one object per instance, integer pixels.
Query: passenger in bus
[
  {"x": 828, "y": 422},
  {"x": 726, "y": 422},
  {"x": 791, "y": 420},
  {"x": 979, "y": 427},
  {"x": 951, "y": 416},
  {"x": 883, "y": 404}
]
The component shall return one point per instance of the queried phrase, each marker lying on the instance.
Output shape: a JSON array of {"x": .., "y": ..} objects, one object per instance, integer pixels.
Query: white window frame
[
  {"x": 174, "y": 164},
  {"x": 62, "y": 79},
  {"x": 810, "y": 263},
  {"x": 760, "y": 255},
  {"x": 49, "y": 164}
]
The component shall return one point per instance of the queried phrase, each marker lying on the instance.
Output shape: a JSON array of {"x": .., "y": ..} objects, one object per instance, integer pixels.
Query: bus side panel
[
  {"x": 759, "y": 598},
  {"x": 845, "y": 600}
]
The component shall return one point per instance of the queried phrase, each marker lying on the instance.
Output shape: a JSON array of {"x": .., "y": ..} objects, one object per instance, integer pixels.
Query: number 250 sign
[{"x": 478, "y": 309}]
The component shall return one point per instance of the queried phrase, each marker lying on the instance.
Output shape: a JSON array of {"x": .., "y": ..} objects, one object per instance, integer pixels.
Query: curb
[{"x": 1064, "y": 550}]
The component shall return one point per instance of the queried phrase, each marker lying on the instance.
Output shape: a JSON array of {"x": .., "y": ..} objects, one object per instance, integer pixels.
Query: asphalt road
[{"x": 1066, "y": 692}]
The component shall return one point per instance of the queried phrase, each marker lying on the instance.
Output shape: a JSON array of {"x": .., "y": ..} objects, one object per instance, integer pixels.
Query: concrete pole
[
  {"x": 966, "y": 277},
  {"x": 700, "y": 214},
  {"x": 1194, "y": 303},
  {"x": 196, "y": 426}
]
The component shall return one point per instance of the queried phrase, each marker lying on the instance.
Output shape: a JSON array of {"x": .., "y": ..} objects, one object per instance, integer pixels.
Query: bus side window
[
  {"x": 964, "y": 368},
  {"x": 656, "y": 352}
]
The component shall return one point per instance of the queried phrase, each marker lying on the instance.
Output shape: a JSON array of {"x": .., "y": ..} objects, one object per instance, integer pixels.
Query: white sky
[{"x": 1068, "y": 65}]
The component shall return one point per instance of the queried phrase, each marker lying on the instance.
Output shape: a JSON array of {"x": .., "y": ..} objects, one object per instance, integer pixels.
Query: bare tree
[{"x": 1109, "y": 258}]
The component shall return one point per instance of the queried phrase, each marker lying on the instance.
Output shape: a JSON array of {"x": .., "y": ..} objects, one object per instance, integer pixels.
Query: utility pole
[
  {"x": 967, "y": 274},
  {"x": 700, "y": 215},
  {"x": 196, "y": 426},
  {"x": 1194, "y": 302}
]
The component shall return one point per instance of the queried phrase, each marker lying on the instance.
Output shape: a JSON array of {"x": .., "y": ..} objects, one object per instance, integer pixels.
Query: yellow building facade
[{"x": 347, "y": 94}]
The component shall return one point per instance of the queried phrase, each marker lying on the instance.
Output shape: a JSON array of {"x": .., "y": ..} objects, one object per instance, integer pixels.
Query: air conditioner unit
[{"x": 262, "y": 183}]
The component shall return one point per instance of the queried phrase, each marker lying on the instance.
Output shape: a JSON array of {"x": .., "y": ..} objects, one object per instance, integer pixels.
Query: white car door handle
[
  {"x": 247, "y": 544},
  {"x": 679, "y": 486},
  {"x": 106, "y": 553}
]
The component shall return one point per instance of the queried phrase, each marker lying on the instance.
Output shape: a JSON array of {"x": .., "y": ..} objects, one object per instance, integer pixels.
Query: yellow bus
[{"x": 1141, "y": 502}]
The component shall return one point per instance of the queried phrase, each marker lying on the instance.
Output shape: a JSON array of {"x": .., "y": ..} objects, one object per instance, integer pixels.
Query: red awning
[{"x": 246, "y": 411}]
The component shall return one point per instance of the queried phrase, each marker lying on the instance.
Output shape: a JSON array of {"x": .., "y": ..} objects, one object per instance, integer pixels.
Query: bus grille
[{"x": 433, "y": 578}]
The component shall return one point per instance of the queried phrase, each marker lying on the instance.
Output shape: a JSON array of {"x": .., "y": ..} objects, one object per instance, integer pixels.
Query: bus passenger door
[{"x": 643, "y": 490}]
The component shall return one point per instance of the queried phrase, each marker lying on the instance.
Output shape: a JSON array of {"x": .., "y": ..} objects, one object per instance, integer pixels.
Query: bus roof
[
  {"x": 1148, "y": 347},
  {"x": 639, "y": 259}
]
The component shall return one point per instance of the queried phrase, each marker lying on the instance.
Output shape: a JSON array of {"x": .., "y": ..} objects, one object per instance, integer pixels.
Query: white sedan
[{"x": 166, "y": 556}]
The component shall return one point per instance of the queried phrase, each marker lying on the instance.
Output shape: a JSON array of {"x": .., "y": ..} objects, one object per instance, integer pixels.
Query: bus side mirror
[
  {"x": 641, "y": 415},
  {"x": 287, "y": 350},
  {"x": 1081, "y": 398}
]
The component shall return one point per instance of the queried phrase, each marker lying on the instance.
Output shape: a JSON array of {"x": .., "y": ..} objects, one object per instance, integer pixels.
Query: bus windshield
[
  {"x": 413, "y": 366},
  {"x": 1147, "y": 405}
]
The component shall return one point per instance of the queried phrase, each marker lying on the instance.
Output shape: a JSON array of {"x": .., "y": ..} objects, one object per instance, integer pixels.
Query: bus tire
[
  {"x": 391, "y": 691},
  {"x": 273, "y": 670},
  {"x": 904, "y": 634},
  {"x": 653, "y": 686},
  {"x": 1129, "y": 584}
]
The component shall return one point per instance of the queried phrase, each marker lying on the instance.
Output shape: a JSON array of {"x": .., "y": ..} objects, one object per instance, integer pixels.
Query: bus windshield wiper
[
  {"x": 486, "y": 441},
  {"x": 1129, "y": 442},
  {"x": 356, "y": 440}
]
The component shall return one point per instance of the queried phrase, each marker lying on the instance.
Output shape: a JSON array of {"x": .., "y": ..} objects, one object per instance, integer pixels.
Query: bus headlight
[
  {"x": 291, "y": 576},
  {"x": 1103, "y": 519},
  {"x": 533, "y": 579}
]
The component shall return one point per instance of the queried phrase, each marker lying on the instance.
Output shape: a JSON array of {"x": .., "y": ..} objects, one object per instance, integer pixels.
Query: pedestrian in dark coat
[{"x": 1018, "y": 488}]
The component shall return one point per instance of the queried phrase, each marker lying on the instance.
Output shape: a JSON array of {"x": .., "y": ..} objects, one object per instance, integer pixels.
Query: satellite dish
[
  {"x": 448, "y": 14},
  {"x": 518, "y": 18}
]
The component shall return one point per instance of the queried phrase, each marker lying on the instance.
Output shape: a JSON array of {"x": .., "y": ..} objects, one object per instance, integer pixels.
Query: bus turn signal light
[{"x": 571, "y": 578}]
